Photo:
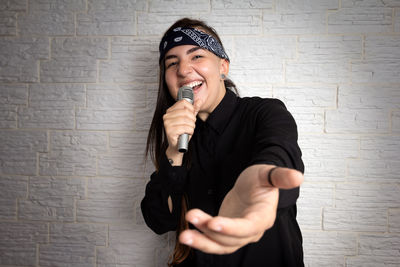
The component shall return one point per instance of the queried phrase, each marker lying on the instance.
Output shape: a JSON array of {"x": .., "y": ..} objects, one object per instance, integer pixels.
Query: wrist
[{"x": 174, "y": 157}]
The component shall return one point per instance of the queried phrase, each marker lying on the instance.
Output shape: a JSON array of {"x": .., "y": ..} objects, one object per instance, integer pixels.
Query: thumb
[
  {"x": 197, "y": 105},
  {"x": 284, "y": 178}
]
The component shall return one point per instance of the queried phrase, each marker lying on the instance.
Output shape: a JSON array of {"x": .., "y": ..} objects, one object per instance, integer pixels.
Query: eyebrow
[{"x": 191, "y": 50}]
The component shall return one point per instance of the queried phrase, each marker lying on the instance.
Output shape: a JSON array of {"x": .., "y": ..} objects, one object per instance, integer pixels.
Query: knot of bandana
[{"x": 190, "y": 36}]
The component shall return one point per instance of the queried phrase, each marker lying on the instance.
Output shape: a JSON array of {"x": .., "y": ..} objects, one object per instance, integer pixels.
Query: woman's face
[{"x": 200, "y": 69}]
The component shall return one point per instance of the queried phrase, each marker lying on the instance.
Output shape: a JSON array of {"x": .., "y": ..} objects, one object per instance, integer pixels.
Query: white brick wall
[{"x": 78, "y": 82}]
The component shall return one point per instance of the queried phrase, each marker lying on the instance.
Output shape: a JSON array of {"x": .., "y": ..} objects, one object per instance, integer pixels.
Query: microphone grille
[{"x": 185, "y": 92}]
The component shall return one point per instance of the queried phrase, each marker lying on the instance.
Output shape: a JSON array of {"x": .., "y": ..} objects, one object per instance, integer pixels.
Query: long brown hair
[{"x": 157, "y": 142}]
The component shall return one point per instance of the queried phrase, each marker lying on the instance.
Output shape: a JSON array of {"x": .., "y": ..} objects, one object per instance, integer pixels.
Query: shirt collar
[{"x": 220, "y": 117}]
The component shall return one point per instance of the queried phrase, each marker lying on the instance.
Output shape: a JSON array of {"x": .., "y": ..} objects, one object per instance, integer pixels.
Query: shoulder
[{"x": 261, "y": 106}]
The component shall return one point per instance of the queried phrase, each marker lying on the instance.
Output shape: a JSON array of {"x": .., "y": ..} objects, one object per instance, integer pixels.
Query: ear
[{"x": 224, "y": 67}]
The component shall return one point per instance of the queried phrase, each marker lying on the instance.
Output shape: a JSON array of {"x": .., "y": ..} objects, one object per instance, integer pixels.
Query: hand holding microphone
[{"x": 186, "y": 93}]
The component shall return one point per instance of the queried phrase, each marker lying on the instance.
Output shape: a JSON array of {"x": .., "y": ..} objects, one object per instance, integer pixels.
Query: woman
[{"x": 226, "y": 199}]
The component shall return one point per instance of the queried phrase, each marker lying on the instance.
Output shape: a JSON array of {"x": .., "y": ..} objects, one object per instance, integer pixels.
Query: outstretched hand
[{"x": 247, "y": 211}]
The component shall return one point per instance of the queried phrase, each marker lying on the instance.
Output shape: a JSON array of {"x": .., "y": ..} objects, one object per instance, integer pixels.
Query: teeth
[{"x": 194, "y": 84}]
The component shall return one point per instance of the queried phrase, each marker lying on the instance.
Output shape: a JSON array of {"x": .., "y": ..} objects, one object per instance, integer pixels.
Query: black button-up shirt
[{"x": 240, "y": 132}]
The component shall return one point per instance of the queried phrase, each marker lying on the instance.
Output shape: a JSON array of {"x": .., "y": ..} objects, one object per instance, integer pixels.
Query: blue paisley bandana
[{"x": 190, "y": 36}]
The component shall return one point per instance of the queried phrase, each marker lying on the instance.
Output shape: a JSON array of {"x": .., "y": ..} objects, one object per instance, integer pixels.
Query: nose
[{"x": 184, "y": 68}]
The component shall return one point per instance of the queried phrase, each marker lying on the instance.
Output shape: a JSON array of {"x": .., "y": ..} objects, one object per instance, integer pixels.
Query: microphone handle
[{"x": 183, "y": 143}]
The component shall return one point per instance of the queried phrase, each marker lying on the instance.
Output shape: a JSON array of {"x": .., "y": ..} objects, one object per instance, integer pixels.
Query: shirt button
[
  {"x": 210, "y": 192},
  {"x": 173, "y": 176}
]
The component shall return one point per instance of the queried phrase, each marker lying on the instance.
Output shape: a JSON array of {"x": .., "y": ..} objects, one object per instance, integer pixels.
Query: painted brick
[
  {"x": 110, "y": 17},
  {"x": 309, "y": 218},
  {"x": 379, "y": 245},
  {"x": 8, "y": 116},
  {"x": 329, "y": 48},
  {"x": 8, "y": 209},
  {"x": 397, "y": 20},
  {"x": 23, "y": 141},
  {"x": 105, "y": 119},
  {"x": 372, "y": 261},
  {"x": 128, "y": 143},
  {"x": 235, "y": 22},
  {"x": 23, "y": 65},
  {"x": 13, "y": 94},
  {"x": 323, "y": 247},
  {"x": 325, "y": 155},
  {"x": 181, "y": 7},
  {"x": 379, "y": 48},
  {"x": 312, "y": 97},
  {"x": 360, "y": 20},
  {"x": 73, "y": 153},
  {"x": 52, "y": 5},
  {"x": 248, "y": 90},
  {"x": 110, "y": 96},
  {"x": 380, "y": 147},
  {"x": 53, "y": 23},
  {"x": 57, "y": 95},
  {"x": 317, "y": 72},
  {"x": 106, "y": 23},
  {"x": 357, "y": 121},
  {"x": 369, "y": 97},
  {"x": 246, "y": 4},
  {"x": 118, "y": 165},
  {"x": 8, "y": 23},
  {"x": 51, "y": 199},
  {"x": 367, "y": 195},
  {"x": 370, "y": 3},
  {"x": 154, "y": 24},
  {"x": 298, "y": 17},
  {"x": 394, "y": 220},
  {"x": 375, "y": 71},
  {"x": 18, "y": 242},
  {"x": 123, "y": 256},
  {"x": 143, "y": 118},
  {"x": 135, "y": 236},
  {"x": 130, "y": 5},
  {"x": 261, "y": 49},
  {"x": 110, "y": 200},
  {"x": 309, "y": 121},
  {"x": 395, "y": 121},
  {"x": 80, "y": 47},
  {"x": 325, "y": 170},
  {"x": 78, "y": 233},
  {"x": 80, "y": 255},
  {"x": 355, "y": 219},
  {"x": 133, "y": 60},
  {"x": 13, "y": 187},
  {"x": 18, "y": 151},
  {"x": 373, "y": 171},
  {"x": 69, "y": 70},
  {"x": 46, "y": 118},
  {"x": 318, "y": 195},
  {"x": 13, "y": 5}
]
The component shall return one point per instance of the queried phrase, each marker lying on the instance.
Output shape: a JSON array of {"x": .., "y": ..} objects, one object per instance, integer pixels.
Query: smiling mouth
[{"x": 195, "y": 85}]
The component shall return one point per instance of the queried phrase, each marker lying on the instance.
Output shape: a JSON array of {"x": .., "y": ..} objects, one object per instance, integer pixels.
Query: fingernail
[
  {"x": 188, "y": 241},
  {"x": 217, "y": 228},
  {"x": 195, "y": 220}
]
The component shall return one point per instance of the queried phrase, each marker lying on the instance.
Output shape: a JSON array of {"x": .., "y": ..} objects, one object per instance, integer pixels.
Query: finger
[
  {"x": 215, "y": 231},
  {"x": 197, "y": 106},
  {"x": 284, "y": 178},
  {"x": 197, "y": 240},
  {"x": 181, "y": 104}
]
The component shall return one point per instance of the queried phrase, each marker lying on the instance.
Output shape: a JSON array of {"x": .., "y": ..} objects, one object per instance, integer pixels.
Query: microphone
[{"x": 185, "y": 92}]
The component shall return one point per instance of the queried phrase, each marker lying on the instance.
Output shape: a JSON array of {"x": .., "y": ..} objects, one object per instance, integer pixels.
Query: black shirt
[{"x": 240, "y": 132}]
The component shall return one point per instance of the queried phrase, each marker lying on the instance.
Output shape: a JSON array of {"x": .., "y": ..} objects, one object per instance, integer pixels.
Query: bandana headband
[{"x": 190, "y": 36}]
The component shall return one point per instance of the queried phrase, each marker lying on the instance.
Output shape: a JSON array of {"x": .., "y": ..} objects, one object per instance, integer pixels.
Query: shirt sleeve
[
  {"x": 276, "y": 143},
  {"x": 168, "y": 181}
]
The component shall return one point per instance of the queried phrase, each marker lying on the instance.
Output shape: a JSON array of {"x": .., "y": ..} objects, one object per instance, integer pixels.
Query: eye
[
  {"x": 170, "y": 64},
  {"x": 197, "y": 56}
]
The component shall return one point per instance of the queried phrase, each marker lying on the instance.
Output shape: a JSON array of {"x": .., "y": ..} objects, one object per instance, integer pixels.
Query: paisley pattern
[{"x": 191, "y": 36}]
